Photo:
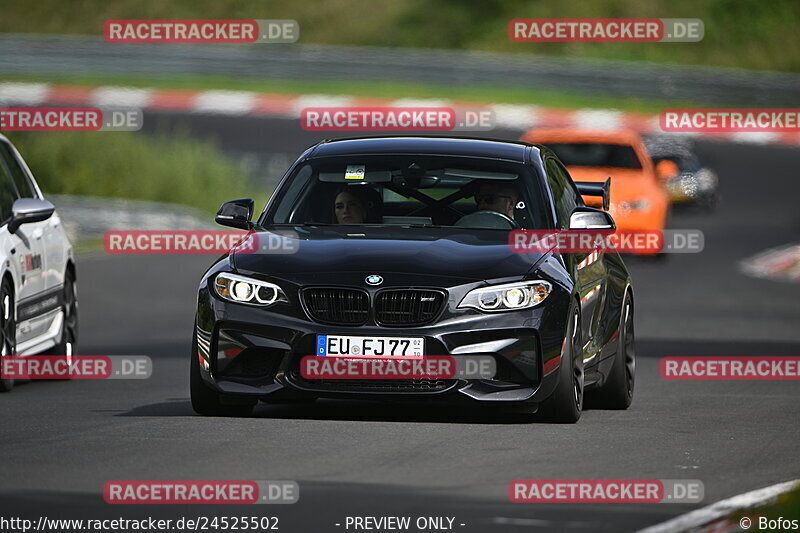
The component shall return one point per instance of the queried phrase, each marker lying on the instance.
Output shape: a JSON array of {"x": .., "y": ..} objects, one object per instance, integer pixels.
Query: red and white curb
[
  {"x": 712, "y": 517},
  {"x": 247, "y": 103},
  {"x": 782, "y": 263}
]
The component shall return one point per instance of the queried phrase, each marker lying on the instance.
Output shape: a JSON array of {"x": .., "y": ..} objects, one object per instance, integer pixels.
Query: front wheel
[
  {"x": 8, "y": 330},
  {"x": 565, "y": 405}
]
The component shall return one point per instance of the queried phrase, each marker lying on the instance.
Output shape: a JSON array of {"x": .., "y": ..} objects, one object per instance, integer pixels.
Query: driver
[{"x": 498, "y": 197}]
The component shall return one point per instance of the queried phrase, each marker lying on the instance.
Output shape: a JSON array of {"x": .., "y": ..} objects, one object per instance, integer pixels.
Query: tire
[
  {"x": 206, "y": 401},
  {"x": 68, "y": 344},
  {"x": 8, "y": 329},
  {"x": 617, "y": 392},
  {"x": 565, "y": 405}
]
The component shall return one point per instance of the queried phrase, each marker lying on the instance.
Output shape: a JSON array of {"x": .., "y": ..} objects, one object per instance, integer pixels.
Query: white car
[{"x": 38, "y": 299}]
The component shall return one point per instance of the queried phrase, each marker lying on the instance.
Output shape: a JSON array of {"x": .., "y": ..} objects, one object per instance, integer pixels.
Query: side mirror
[
  {"x": 27, "y": 210},
  {"x": 591, "y": 218},
  {"x": 236, "y": 213}
]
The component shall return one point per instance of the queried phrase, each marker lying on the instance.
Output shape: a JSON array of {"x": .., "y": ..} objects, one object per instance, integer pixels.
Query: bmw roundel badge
[{"x": 374, "y": 279}]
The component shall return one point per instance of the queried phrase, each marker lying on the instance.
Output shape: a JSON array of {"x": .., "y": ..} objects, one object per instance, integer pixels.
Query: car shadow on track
[
  {"x": 369, "y": 411},
  {"x": 431, "y": 412},
  {"x": 364, "y": 411}
]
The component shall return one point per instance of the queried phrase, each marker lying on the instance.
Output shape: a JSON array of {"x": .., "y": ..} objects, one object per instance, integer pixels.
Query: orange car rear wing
[{"x": 593, "y": 188}]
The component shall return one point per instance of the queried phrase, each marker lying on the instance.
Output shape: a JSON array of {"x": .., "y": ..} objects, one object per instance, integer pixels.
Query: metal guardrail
[
  {"x": 86, "y": 217},
  {"x": 47, "y": 55}
]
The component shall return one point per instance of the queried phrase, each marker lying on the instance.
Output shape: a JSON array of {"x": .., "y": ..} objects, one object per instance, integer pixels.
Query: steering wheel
[{"x": 487, "y": 220}]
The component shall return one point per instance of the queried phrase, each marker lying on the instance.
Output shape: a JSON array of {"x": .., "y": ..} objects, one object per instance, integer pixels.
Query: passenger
[
  {"x": 357, "y": 205},
  {"x": 497, "y": 197}
]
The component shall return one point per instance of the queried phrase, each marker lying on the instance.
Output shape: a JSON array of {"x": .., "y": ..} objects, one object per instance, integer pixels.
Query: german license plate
[{"x": 340, "y": 345}]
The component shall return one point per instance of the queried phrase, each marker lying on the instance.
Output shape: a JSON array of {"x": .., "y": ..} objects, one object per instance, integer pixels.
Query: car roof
[{"x": 422, "y": 145}]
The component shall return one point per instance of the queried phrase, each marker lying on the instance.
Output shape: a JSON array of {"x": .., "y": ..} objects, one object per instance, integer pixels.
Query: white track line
[
  {"x": 224, "y": 102},
  {"x": 320, "y": 100},
  {"x": 520, "y": 117},
  {"x": 722, "y": 508},
  {"x": 606, "y": 119},
  {"x": 23, "y": 93},
  {"x": 121, "y": 96},
  {"x": 762, "y": 265}
]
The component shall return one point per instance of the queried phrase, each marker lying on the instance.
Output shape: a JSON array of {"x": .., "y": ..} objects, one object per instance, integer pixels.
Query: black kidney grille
[
  {"x": 407, "y": 307},
  {"x": 337, "y": 305}
]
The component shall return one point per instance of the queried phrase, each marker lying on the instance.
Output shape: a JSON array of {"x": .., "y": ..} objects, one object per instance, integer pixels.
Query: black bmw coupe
[{"x": 399, "y": 246}]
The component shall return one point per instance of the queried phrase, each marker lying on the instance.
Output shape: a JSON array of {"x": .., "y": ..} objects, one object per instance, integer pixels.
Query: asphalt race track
[{"x": 61, "y": 441}]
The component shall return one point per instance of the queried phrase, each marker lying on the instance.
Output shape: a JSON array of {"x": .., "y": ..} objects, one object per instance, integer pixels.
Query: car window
[
  {"x": 596, "y": 155},
  {"x": 564, "y": 195},
  {"x": 18, "y": 175},
  {"x": 288, "y": 200},
  {"x": 411, "y": 191},
  {"x": 8, "y": 194}
]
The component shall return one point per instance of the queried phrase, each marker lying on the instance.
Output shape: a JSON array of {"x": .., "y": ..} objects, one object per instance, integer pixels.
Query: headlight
[
  {"x": 244, "y": 290},
  {"x": 507, "y": 297}
]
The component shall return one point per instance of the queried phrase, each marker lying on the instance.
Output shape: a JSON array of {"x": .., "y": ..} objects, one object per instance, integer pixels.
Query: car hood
[{"x": 450, "y": 255}]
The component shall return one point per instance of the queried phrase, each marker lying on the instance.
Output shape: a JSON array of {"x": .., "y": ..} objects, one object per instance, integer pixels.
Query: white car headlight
[
  {"x": 244, "y": 290},
  {"x": 507, "y": 297}
]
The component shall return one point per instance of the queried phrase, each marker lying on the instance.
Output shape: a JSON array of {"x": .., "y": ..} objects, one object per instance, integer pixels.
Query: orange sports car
[{"x": 638, "y": 199}]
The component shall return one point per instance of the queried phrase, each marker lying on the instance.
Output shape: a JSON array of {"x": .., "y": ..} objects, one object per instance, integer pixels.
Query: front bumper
[{"x": 255, "y": 352}]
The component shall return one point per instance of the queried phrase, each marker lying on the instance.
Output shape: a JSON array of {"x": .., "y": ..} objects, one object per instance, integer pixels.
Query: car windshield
[
  {"x": 596, "y": 155},
  {"x": 411, "y": 191}
]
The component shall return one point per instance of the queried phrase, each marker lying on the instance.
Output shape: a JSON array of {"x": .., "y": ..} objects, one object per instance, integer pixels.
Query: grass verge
[
  {"x": 175, "y": 169},
  {"x": 754, "y": 34},
  {"x": 786, "y": 507}
]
